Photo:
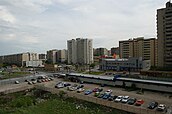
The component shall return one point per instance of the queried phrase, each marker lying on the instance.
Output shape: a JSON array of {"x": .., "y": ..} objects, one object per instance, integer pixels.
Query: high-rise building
[
  {"x": 61, "y": 56},
  {"x": 139, "y": 47},
  {"x": 51, "y": 56},
  {"x": 100, "y": 51},
  {"x": 42, "y": 56},
  {"x": 80, "y": 51},
  {"x": 164, "y": 34},
  {"x": 71, "y": 49},
  {"x": 115, "y": 50}
]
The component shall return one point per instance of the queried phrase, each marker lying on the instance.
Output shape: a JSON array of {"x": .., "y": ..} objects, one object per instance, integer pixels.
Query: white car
[
  {"x": 119, "y": 98},
  {"x": 17, "y": 82},
  {"x": 161, "y": 107},
  {"x": 80, "y": 90},
  {"x": 109, "y": 91},
  {"x": 125, "y": 99}
]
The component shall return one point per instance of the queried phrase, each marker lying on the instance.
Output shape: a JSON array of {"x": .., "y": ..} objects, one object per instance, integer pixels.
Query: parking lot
[{"x": 147, "y": 97}]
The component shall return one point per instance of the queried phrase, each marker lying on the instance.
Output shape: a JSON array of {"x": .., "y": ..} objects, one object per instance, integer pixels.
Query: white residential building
[{"x": 80, "y": 51}]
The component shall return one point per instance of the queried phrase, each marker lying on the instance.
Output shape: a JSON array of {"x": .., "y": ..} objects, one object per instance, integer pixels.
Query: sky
[{"x": 41, "y": 25}]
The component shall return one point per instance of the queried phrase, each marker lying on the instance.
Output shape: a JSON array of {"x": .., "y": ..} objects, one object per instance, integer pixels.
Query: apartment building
[
  {"x": 139, "y": 47},
  {"x": 18, "y": 59},
  {"x": 80, "y": 51},
  {"x": 100, "y": 51},
  {"x": 61, "y": 56},
  {"x": 51, "y": 56},
  {"x": 164, "y": 34},
  {"x": 114, "y": 50}
]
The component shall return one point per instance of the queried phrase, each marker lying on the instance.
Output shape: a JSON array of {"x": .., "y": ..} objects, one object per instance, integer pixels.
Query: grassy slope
[{"x": 18, "y": 103}]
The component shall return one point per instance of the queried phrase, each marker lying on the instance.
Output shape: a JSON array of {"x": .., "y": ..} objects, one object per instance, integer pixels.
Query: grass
[{"x": 27, "y": 103}]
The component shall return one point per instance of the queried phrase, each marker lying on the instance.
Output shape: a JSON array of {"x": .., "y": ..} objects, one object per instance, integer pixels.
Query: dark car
[
  {"x": 101, "y": 95},
  {"x": 106, "y": 96},
  {"x": 87, "y": 92},
  {"x": 131, "y": 101},
  {"x": 112, "y": 97},
  {"x": 152, "y": 105},
  {"x": 80, "y": 86}
]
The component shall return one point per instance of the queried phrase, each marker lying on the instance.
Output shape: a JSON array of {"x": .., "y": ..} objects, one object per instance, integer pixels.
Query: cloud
[
  {"x": 6, "y": 16},
  {"x": 38, "y": 25}
]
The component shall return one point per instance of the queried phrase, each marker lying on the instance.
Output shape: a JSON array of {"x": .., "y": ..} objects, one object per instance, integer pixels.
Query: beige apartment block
[
  {"x": 139, "y": 47},
  {"x": 164, "y": 34},
  {"x": 18, "y": 59},
  {"x": 80, "y": 51},
  {"x": 61, "y": 55}
]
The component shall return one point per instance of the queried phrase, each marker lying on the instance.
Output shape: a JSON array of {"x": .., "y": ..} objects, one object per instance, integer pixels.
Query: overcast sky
[{"x": 41, "y": 25}]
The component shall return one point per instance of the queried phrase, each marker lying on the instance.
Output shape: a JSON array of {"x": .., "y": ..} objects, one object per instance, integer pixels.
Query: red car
[
  {"x": 96, "y": 89},
  {"x": 139, "y": 102}
]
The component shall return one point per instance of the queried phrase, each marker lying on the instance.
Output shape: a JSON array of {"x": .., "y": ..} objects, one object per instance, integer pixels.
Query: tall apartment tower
[
  {"x": 80, "y": 51},
  {"x": 139, "y": 47},
  {"x": 51, "y": 56},
  {"x": 164, "y": 34}
]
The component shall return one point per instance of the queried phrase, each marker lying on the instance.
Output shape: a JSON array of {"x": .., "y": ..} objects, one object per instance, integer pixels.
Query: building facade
[
  {"x": 51, "y": 56},
  {"x": 61, "y": 56},
  {"x": 139, "y": 47},
  {"x": 115, "y": 50},
  {"x": 164, "y": 34},
  {"x": 131, "y": 64},
  {"x": 80, "y": 51},
  {"x": 100, "y": 52},
  {"x": 18, "y": 59}
]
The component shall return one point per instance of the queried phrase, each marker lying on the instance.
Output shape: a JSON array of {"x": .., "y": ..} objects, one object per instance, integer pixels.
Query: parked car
[
  {"x": 66, "y": 84},
  {"x": 112, "y": 97},
  {"x": 161, "y": 107},
  {"x": 59, "y": 85},
  {"x": 106, "y": 96},
  {"x": 26, "y": 80},
  {"x": 152, "y": 105},
  {"x": 125, "y": 99},
  {"x": 80, "y": 90},
  {"x": 97, "y": 89},
  {"x": 118, "y": 99},
  {"x": 101, "y": 95},
  {"x": 96, "y": 94},
  {"x": 34, "y": 81},
  {"x": 87, "y": 92},
  {"x": 39, "y": 80},
  {"x": 80, "y": 86},
  {"x": 131, "y": 101},
  {"x": 16, "y": 82},
  {"x": 139, "y": 102},
  {"x": 29, "y": 82},
  {"x": 109, "y": 91}
]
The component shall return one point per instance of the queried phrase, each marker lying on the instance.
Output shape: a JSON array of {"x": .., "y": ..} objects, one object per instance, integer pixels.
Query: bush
[{"x": 22, "y": 102}]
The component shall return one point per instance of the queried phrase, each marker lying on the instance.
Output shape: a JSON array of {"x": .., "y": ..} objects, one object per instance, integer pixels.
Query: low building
[
  {"x": 35, "y": 63},
  {"x": 131, "y": 64}
]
